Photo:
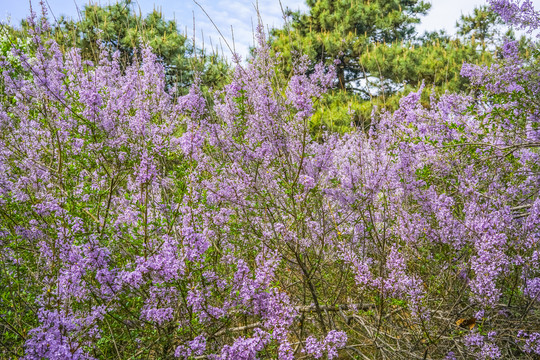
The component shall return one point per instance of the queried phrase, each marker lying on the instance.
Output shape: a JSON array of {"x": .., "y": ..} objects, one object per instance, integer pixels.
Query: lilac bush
[{"x": 137, "y": 225}]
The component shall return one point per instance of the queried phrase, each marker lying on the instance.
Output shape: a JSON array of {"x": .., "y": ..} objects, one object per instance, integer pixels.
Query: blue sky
[{"x": 238, "y": 14}]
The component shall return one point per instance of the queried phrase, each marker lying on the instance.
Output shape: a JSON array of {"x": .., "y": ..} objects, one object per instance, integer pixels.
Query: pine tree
[
  {"x": 119, "y": 27},
  {"x": 343, "y": 29},
  {"x": 380, "y": 56}
]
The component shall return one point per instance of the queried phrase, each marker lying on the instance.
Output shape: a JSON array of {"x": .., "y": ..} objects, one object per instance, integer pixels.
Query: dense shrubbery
[{"x": 136, "y": 225}]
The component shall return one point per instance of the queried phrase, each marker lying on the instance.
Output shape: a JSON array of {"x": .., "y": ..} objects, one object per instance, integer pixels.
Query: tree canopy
[
  {"x": 341, "y": 30},
  {"x": 378, "y": 52},
  {"x": 480, "y": 25},
  {"x": 118, "y": 27}
]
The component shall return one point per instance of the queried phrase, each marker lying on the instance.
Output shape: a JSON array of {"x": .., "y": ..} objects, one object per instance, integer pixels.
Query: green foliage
[
  {"x": 480, "y": 25},
  {"x": 343, "y": 29},
  {"x": 380, "y": 59},
  {"x": 118, "y": 27}
]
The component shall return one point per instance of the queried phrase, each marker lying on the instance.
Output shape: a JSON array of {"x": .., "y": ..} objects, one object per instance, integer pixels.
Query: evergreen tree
[
  {"x": 343, "y": 29},
  {"x": 480, "y": 25},
  {"x": 379, "y": 53},
  {"x": 119, "y": 28}
]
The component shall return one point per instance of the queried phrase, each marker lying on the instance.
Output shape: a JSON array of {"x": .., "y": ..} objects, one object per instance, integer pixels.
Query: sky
[{"x": 234, "y": 18}]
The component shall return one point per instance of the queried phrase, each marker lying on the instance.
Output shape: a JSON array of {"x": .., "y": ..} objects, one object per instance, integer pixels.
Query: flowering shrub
[{"x": 136, "y": 225}]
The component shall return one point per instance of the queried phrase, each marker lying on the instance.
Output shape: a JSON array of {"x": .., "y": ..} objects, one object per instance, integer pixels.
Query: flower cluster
[{"x": 137, "y": 225}]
